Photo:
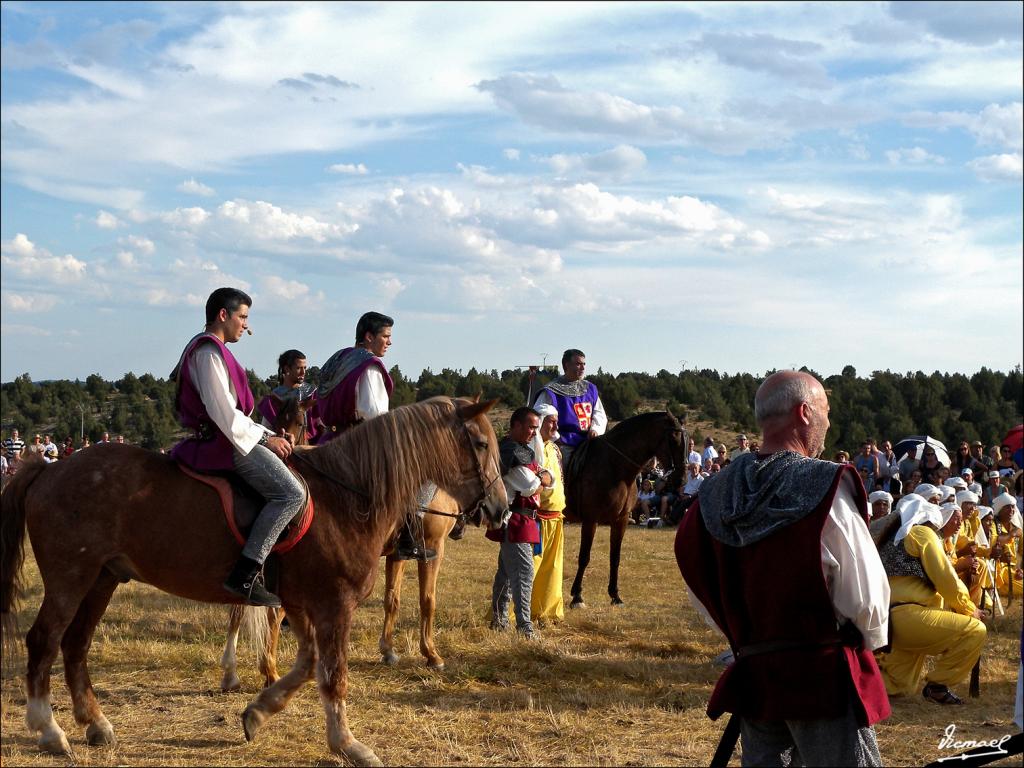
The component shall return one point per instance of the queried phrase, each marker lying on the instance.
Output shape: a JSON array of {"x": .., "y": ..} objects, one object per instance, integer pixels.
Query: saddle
[{"x": 242, "y": 504}]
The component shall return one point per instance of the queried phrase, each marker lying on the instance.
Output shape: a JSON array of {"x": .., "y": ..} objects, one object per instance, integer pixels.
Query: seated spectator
[
  {"x": 709, "y": 450},
  {"x": 694, "y": 456},
  {"x": 37, "y": 445},
  {"x": 941, "y": 475},
  {"x": 69, "y": 447},
  {"x": 723, "y": 455},
  {"x": 930, "y": 466},
  {"x": 647, "y": 498},
  {"x": 1005, "y": 464},
  {"x": 979, "y": 461},
  {"x": 742, "y": 446},
  {"x": 932, "y": 613},
  {"x": 842, "y": 457},
  {"x": 1006, "y": 547},
  {"x": 688, "y": 492},
  {"x": 86, "y": 442},
  {"x": 881, "y": 504},
  {"x": 866, "y": 464},
  {"x": 906, "y": 467},
  {"x": 962, "y": 458},
  {"x": 992, "y": 489},
  {"x": 754, "y": 446}
]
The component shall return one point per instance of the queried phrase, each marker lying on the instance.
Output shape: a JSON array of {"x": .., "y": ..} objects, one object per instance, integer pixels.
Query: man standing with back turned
[
  {"x": 214, "y": 401},
  {"x": 804, "y": 687},
  {"x": 581, "y": 415}
]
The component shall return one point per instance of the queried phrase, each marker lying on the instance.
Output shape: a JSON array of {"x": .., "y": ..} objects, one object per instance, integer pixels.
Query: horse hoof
[
  {"x": 577, "y": 602},
  {"x": 230, "y": 686},
  {"x": 55, "y": 744},
  {"x": 390, "y": 658},
  {"x": 359, "y": 754},
  {"x": 617, "y": 601},
  {"x": 436, "y": 666},
  {"x": 100, "y": 735},
  {"x": 252, "y": 721}
]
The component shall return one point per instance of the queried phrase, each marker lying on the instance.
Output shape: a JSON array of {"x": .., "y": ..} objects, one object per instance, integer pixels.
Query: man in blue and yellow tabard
[{"x": 581, "y": 415}]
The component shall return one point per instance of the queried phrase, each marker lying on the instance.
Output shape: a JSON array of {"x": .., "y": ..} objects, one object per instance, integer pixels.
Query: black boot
[
  {"x": 246, "y": 581},
  {"x": 407, "y": 548}
]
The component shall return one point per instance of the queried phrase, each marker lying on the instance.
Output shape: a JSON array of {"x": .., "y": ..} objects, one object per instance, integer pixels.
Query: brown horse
[
  {"x": 601, "y": 484},
  {"x": 437, "y": 524},
  {"x": 114, "y": 513}
]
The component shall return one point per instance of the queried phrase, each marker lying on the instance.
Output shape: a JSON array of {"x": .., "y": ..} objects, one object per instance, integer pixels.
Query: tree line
[{"x": 948, "y": 406}]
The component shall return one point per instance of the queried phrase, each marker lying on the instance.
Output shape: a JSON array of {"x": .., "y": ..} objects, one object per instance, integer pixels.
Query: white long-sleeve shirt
[
  {"x": 371, "y": 394},
  {"x": 598, "y": 418},
  {"x": 209, "y": 374},
  {"x": 856, "y": 581}
]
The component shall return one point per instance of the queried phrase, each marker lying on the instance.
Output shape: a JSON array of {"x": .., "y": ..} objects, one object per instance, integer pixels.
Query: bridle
[
  {"x": 474, "y": 508},
  {"x": 664, "y": 436}
]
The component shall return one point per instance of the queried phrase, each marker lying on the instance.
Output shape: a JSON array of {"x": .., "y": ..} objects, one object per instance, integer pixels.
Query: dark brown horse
[
  {"x": 114, "y": 513},
  {"x": 601, "y": 484}
]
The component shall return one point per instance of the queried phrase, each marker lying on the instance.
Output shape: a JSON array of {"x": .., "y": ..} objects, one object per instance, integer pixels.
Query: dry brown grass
[{"x": 610, "y": 686}]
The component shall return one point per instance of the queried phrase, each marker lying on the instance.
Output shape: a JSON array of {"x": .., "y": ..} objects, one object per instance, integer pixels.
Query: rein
[{"x": 657, "y": 445}]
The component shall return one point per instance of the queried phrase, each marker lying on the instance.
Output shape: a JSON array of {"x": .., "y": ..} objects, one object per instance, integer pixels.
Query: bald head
[{"x": 792, "y": 409}]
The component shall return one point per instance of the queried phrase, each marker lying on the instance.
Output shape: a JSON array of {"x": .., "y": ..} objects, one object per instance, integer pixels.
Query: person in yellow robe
[
  {"x": 931, "y": 612},
  {"x": 972, "y": 546},
  {"x": 1006, "y": 545},
  {"x": 547, "y": 605}
]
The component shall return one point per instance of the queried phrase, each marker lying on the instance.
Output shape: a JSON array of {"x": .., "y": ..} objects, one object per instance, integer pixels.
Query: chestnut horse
[
  {"x": 600, "y": 486},
  {"x": 115, "y": 513},
  {"x": 437, "y": 524}
]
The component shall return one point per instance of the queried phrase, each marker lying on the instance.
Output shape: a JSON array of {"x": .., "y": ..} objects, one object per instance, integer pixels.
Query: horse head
[
  {"x": 291, "y": 416},
  {"x": 482, "y": 494}
]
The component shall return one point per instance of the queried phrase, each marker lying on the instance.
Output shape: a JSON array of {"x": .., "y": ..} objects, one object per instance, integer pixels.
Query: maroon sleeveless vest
[
  {"x": 771, "y": 601},
  {"x": 338, "y": 410},
  {"x": 207, "y": 448}
]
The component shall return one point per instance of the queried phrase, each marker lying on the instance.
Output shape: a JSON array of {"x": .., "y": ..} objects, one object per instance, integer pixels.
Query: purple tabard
[
  {"x": 338, "y": 409},
  {"x": 574, "y": 414},
  {"x": 215, "y": 453}
]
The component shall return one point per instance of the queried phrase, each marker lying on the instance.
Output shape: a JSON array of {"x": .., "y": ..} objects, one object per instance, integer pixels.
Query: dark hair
[
  {"x": 287, "y": 358},
  {"x": 519, "y": 414},
  {"x": 372, "y": 322},
  {"x": 225, "y": 298},
  {"x": 569, "y": 354}
]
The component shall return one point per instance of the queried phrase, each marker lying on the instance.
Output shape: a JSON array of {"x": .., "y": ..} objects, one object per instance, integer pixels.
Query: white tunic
[{"x": 209, "y": 374}]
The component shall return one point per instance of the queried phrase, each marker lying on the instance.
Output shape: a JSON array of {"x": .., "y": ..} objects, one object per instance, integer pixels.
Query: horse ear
[{"x": 474, "y": 409}]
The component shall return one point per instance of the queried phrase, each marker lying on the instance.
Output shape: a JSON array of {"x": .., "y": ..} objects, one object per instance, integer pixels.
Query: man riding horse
[
  {"x": 581, "y": 415},
  {"x": 214, "y": 401}
]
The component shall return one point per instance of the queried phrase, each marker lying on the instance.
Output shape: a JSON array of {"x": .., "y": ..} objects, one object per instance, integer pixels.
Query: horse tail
[
  {"x": 255, "y": 628},
  {"x": 12, "y": 551}
]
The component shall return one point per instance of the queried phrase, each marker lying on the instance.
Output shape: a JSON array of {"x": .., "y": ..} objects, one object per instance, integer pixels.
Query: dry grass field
[{"x": 609, "y": 686}]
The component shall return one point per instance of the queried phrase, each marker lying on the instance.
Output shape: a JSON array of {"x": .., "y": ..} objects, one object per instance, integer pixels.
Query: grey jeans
[
  {"x": 514, "y": 578},
  {"x": 268, "y": 475},
  {"x": 834, "y": 741}
]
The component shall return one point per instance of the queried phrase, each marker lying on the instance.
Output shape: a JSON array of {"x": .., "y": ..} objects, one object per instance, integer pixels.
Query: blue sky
[{"x": 726, "y": 185}]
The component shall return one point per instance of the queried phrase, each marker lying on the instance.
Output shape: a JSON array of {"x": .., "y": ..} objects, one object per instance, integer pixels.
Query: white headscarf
[
  {"x": 880, "y": 496},
  {"x": 947, "y": 493},
  {"x": 975, "y": 488},
  {"x": 957, "y": 482},
  {"x": 915, "y": 510},
  {"x": 1006, "y": 500},
  {"x": 948, "y": 510},
  {"x": 927, "y": 490},
  {"x": 966, "y": 496}
]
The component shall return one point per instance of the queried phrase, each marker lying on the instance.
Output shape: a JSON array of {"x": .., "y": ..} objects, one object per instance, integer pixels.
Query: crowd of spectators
[{"x": 15, "y": 450}]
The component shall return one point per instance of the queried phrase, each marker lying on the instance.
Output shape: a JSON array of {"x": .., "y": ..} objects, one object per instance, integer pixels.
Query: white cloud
[
  {"x": 192, "y": 187},
  {"x": 142, "y": 245},
  {"x": 790, "y": 60},
  {"x": 29, "y": 302},
  {"x": 185, "y": 218},
  {"x": 265, "y": 221},
  {"x": 912, "y": 155},
  {"x": 291, "y": 294},
  {"x": 510, "y": 154},
  {"x": 390, "y": 287},
  {"x": 1002, "y": 167},
  {"x": 30, "y": 261},
  {"x": 620, "y": 162},
  {"x": 107, "y": 220},
  {"x": 998, "y": 125},
  {"x": 352, "y": 169}
]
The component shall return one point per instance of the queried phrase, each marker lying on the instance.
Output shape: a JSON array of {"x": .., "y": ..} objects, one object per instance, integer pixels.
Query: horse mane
[
  {"x": 390, "y": 456},
  {"x": 641, "y": 421}
]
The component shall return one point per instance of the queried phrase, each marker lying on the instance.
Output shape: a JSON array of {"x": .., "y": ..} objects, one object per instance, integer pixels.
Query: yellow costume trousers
[
  {"x": 918, "y": 632},
  {"x": 546, "y": 604}
]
